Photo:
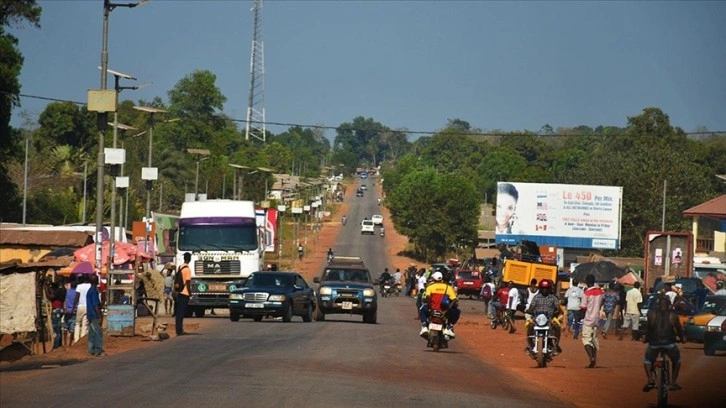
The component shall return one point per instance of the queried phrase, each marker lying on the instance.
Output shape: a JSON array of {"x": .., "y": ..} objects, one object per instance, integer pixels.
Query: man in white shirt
[
  {"x": 631, "y": 318},
  {"x": 574, "y": 312},
  {"x": 512, "y": 303},
  {"x": 81, "y": 328},
  {"x": 532, "y": 290}
]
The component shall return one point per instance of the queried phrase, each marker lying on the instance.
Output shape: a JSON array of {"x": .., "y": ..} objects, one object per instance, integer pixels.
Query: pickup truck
[{"x": 346, "y": 287}]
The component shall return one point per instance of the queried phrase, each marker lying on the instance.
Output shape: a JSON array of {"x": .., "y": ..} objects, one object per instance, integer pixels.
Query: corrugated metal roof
[
  {"x": 16, "y": 265},
  {"x": 44, "y": 238},
  {"x": 713, "y": 208}
]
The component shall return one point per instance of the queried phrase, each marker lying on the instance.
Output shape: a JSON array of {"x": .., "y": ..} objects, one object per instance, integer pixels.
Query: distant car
[
  {"x": 363, "y": 175},
  {"x": 367, "y": 227},
  {"x": 468, "y": 282},
  {"x": 364, "y": 187},
  {"x": 695, "y": 326},
  {"x": 359, "y": 193},
  {"x": 275, "y": 294},
  {"x": 714, "y": 339},
  {"x": 377, "y": 219}
]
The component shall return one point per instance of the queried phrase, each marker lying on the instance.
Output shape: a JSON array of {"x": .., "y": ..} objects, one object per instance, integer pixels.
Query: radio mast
[{"x": 256, "y": 100}]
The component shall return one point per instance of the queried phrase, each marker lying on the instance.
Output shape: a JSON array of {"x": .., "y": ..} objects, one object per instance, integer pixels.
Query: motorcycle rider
[
  {"x": 662, "y": 330},
  {"x": 383, "y": 230},
  {"x": 331, "y": 254},
  {"x": 433, "y": 298},
  {"x": 544, "y": 302},
  {"x": 385, "y": 276},
  {"x": 345, "y": 219}
]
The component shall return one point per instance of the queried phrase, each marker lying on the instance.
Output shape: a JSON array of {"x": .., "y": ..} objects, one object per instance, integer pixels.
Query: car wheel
[
  {"x": 319, "y": 315},
  {"x": 288, "y": 313},
  {"x": 233, "y": 316},
  {"x": 709, "y": 349},
  {"x": 257, "y": 318},
  {"x": 308, "y": 316},
  {"x": 370, "y": 317}
]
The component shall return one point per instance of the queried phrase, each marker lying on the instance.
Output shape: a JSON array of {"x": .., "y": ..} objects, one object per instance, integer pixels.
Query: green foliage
[
  {"x": 438, "y": 212},
  {"x": 64, "y": 123}
]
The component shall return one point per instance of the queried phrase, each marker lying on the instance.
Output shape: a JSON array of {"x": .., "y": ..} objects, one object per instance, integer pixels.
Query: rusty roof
[
  {"x": 715, "y": 208},
  {"x": 48, "y": 238},
  {"x": 14, "y": 265}
]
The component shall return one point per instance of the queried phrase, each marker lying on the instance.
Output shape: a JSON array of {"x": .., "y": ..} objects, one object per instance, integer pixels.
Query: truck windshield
[{"x": 217, "y": 238}]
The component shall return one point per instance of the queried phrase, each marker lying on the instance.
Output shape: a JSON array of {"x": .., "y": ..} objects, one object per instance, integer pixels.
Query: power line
[{"x": 410, "y": 132}]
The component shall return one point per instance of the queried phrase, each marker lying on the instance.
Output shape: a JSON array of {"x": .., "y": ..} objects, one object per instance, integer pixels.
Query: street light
[
  {"x": 149, "y": 170},
  {"x": 102, "y": 120},
  {"x": 199, "y": 153}
]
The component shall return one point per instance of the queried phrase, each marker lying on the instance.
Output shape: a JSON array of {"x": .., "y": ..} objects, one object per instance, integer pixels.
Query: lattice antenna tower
[{"x": 256, "y": 100}]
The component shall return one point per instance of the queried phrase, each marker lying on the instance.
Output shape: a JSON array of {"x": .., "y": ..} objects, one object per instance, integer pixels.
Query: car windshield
[
  {"x": 217, "y": 237},
  {"x": 713, "y": 304},
  {"x": 269, "y": 280},
  {"x": 468, "y": 275},
  {"x": 349, "y": 275}
]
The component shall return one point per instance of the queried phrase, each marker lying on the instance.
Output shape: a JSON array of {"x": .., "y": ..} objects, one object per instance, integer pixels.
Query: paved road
[{"x": 338, "y": 362}]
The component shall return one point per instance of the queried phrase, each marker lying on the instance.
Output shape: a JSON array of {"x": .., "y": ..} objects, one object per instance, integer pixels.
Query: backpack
[
  {"x": 179, "y": 280},
  {"x": 486, "y": 292}
]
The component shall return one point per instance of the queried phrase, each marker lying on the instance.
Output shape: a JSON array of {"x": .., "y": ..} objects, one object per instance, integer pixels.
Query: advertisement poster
[
  {"x": 166, "y": 229},
  {"x": 267, "y": 225},
  {"x": 564, "y": 215}
]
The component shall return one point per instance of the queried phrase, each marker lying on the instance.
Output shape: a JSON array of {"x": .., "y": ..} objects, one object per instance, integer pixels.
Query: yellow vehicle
[{"x": 695, "y": 325}]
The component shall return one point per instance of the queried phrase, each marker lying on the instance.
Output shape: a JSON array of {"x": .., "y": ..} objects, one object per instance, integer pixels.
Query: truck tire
[
  {"x": 257, "y": 318},
  {"x": 233, "y": 316},
  {"x": 199, "y": 311}
]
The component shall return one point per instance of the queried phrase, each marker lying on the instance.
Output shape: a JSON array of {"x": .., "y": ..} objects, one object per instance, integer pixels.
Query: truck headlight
[
  {"x": 236, "y": 296},
  {"x": 369, "y": 292},
  {"x": 276, "y": 298},
  {"x": 326, "y": 291}
]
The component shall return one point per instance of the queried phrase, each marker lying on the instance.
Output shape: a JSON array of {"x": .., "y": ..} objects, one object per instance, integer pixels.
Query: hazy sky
[{"x": 406, "y": 64}]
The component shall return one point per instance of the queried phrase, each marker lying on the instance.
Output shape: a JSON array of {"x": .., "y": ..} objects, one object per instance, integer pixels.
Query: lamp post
[
  {"x": 149, "y": 172},
  {"x": 199, "y": 153},
  {"x": 108, "y": 6}
]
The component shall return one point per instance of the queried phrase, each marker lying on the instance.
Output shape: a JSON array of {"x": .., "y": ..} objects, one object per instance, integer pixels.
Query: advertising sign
[
  {"x": 565, "y": 215},
  {"x": 166, "y": 228},
  {"x": 271, "y": 230}
]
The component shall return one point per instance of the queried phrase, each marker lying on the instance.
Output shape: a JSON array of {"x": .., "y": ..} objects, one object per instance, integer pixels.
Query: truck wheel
[
  {"x": 199, "y": 312},
  {"x": 370, "y": 317},
  {"x": 233, "y": 316},
  {"x": 257, "y": 318}
]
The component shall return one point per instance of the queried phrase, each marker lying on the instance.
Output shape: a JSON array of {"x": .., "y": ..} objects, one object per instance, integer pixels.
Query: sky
[{"x": 407, "y": 64}]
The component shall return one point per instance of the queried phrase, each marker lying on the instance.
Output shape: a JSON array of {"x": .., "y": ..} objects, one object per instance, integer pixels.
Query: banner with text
[{"x": 566, "y": 215}]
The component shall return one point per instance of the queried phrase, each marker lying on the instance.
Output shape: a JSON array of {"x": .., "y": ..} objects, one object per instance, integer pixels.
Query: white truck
[{"x": 226, "y": 247}]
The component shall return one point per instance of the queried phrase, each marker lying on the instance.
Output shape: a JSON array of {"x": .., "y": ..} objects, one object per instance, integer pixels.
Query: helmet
[
  {"x": 545, "y": 283},
  {"x": 437, "y": 276}
]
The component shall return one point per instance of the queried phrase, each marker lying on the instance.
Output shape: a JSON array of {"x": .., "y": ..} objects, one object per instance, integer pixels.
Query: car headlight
[
  {"x": 236, "y": 296},
  {"x": 326, "y": 290},
  {"x": 712, "y": 328},
  {"x": 276, "y": 298},
  {"x": 369, "y": 292}
]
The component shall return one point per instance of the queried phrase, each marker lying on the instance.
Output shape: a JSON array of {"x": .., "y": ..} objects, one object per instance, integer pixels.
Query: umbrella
[
  {"x": 604, "y": 271},
  {"x": 83, "y": 268},
  {"x": 123, "y": 253}
]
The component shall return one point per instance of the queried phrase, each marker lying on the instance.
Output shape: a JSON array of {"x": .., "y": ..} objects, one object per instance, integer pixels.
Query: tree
[
  {"x": 13, "y": 13},
  {"x": 64, "y": 123}
]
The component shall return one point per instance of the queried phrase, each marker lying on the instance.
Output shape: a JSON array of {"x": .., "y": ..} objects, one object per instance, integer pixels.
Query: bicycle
[
  {"x": 502, "y": 318},
  {"x": 663, "y": 378}
]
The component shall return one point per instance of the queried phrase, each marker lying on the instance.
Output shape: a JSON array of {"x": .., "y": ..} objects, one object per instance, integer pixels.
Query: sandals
[{"x": 649, "y": 386}]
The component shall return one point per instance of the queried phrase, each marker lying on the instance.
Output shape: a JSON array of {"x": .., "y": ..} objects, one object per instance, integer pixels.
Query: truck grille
[
  {"x": 212, "y": 268},
  {"x": 345, "y": 293},
  {"x": 255, "y": 297}
]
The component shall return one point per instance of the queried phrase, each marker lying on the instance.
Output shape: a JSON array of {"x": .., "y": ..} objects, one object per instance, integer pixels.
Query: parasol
[{"x": 604, "y": 271}]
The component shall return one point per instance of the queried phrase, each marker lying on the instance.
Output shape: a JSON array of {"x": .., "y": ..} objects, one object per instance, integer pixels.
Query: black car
[
  {"x": 346, "y": 288},
  {"x": 275, "y": 294},
  {"x": 359, "y": 193}
]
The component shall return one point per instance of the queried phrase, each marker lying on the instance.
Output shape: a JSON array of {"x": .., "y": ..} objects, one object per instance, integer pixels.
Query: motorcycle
[
  {"x": 345, "y": 219},
  {"x": 542, "y": 343},
  {"x": 436, "y": 338},
  {"x": 330, "y": 257},
  {"x": 390, "y": 287},
  {"x": 383, "y": 232}
]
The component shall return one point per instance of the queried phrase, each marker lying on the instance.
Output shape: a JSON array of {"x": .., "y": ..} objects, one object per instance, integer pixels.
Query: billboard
[{"x": 565, "y": 215}]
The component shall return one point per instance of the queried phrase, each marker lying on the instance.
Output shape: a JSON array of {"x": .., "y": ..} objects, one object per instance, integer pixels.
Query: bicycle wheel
[{"x": 663, "y": 384}]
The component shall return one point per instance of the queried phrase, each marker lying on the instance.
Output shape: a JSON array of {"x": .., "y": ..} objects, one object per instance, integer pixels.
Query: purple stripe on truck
[{"x": 248, "y": 222}]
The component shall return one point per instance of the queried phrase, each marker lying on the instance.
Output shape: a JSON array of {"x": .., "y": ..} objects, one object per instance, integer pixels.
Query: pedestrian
[
  {"x": 168, "y": 284},
  {"x": 81, "y": 328},
  {"x": 95, "y": 319},
  {"x": 574, "y": 299},
  {"x": 410, "y": 279},
  {"x": 57, "y": 296},
  {"x": 69, "y": 311},
  {"x": 420, "y": 287},
  {"x": 591, "y": 304},
  {"x": 610, "y": 301},
  {"x": 299, "y": 251},
  {"x": 487, "y": 294},
  {"x": 513, "y": 300},
  {"x": 182, "y": 298},
  {"x": 631, "y": 319}
]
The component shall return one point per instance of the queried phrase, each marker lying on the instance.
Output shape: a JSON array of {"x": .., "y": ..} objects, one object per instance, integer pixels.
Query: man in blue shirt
[{"x": 95, "y": 319}]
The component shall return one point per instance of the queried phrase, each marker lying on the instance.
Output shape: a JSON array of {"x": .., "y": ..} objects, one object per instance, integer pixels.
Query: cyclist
[{"x": 662, "y": 330}]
